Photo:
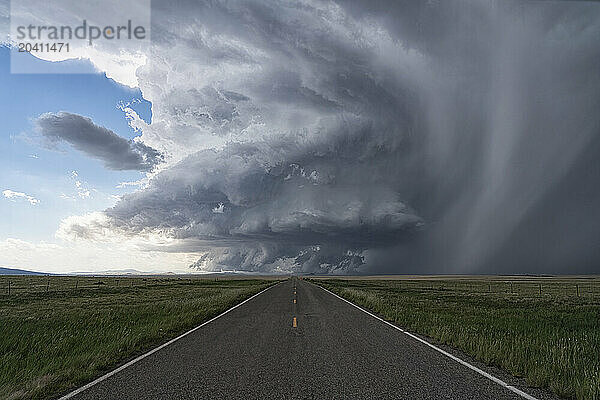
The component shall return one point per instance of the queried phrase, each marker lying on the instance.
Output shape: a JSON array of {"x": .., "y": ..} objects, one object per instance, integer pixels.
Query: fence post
[
  {"x": 490, "y": 287},
  {"x": 511, "y": 287},
  {"x": 47, "y": 284},
  {"x": 76, "y": 284},
  {"x": 9, "y": 288},
  {"x": 540, "y": 289},
  {"x": 577, "y": 286}
]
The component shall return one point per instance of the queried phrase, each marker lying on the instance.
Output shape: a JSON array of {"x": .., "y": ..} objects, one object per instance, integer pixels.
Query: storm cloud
[
  {"x": 365, "y": 136},
  {"x": 116, "y": 152}
]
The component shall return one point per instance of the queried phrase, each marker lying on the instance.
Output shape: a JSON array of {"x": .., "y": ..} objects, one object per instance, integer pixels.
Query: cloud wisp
[
  {"x": 116, "y": 152},
  {"x": 11, "y": 194}
]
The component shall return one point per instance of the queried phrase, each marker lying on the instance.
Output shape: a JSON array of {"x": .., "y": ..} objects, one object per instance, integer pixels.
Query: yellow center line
[{"x": 294, "y": 323}]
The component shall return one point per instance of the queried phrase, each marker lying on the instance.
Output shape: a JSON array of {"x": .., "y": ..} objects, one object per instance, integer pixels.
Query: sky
[
  {"x": 27, "y": 163},
  {"x": 327, "y": 137},
  {"x": 41, "y": 185}
]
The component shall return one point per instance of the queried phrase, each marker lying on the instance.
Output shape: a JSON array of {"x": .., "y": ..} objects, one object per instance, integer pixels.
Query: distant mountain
[
  {"x": 110, "y": 272},
  {"x": 120, "y": 272},
  {"x": 13, "y": 271}
]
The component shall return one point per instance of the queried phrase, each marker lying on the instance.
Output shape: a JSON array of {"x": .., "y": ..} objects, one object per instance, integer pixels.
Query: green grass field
[
  {"x": 546, "y": 330},
  {"x": 57, "y": 333}
]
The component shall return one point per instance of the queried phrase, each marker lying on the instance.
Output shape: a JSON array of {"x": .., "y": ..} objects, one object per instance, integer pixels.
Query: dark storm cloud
[
  {"x": 96, "y": 141},
  {"x": 365, "y": 137},
  {"x": 229, "y": 199}
]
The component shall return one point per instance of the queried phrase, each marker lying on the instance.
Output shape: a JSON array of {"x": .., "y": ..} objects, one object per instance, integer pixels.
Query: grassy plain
[
  {"x": 544, "y": 329},
  {"x": 57, "y": 333}
]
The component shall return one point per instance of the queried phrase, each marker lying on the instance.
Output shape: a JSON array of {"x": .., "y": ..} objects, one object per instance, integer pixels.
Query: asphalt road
[{"x": 335, "y": 351}]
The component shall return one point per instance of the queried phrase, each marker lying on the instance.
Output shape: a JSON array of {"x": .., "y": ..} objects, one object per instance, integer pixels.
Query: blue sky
[{"x": 28, "y": 167}]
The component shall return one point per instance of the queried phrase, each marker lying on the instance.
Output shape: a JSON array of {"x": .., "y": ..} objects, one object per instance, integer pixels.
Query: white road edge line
[
  {"x": 130, "y": 363},
  {"x": 466, "y": 364}
]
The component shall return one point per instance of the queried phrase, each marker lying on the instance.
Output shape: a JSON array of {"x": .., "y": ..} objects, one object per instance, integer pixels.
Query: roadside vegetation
[
  {"x": 546, "y": 330},
  {"x": 57, "y": 333}
]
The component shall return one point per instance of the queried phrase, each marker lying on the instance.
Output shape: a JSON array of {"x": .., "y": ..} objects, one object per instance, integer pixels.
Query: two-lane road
[{"x": 331, "y": 351}]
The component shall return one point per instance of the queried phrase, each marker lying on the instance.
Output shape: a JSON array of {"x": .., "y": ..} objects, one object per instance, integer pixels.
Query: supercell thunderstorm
[{"x": 365, "y": 137}]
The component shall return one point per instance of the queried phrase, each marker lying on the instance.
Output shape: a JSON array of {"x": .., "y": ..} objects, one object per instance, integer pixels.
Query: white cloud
[
  {"x": 118, "y": 59},
  {"x": 219, "y": 209},
  {"x": 140, "y": 183},
  {"x": 11, "y": 194},
  {"x": 83, "y": 192},
  {"x": 89, "y": 256}
]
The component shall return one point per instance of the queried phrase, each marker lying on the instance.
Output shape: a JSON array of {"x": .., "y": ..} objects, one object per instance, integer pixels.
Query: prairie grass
[
  {"x": 57, "y": 333},
  {"x": 548, "y": 334}
]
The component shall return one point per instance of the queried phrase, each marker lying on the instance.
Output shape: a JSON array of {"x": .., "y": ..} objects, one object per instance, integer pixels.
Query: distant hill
[
  {"x": 13, "y": 271},
  {"x": 111, "y": 272},
  {"x": 117, "y": 272}
]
